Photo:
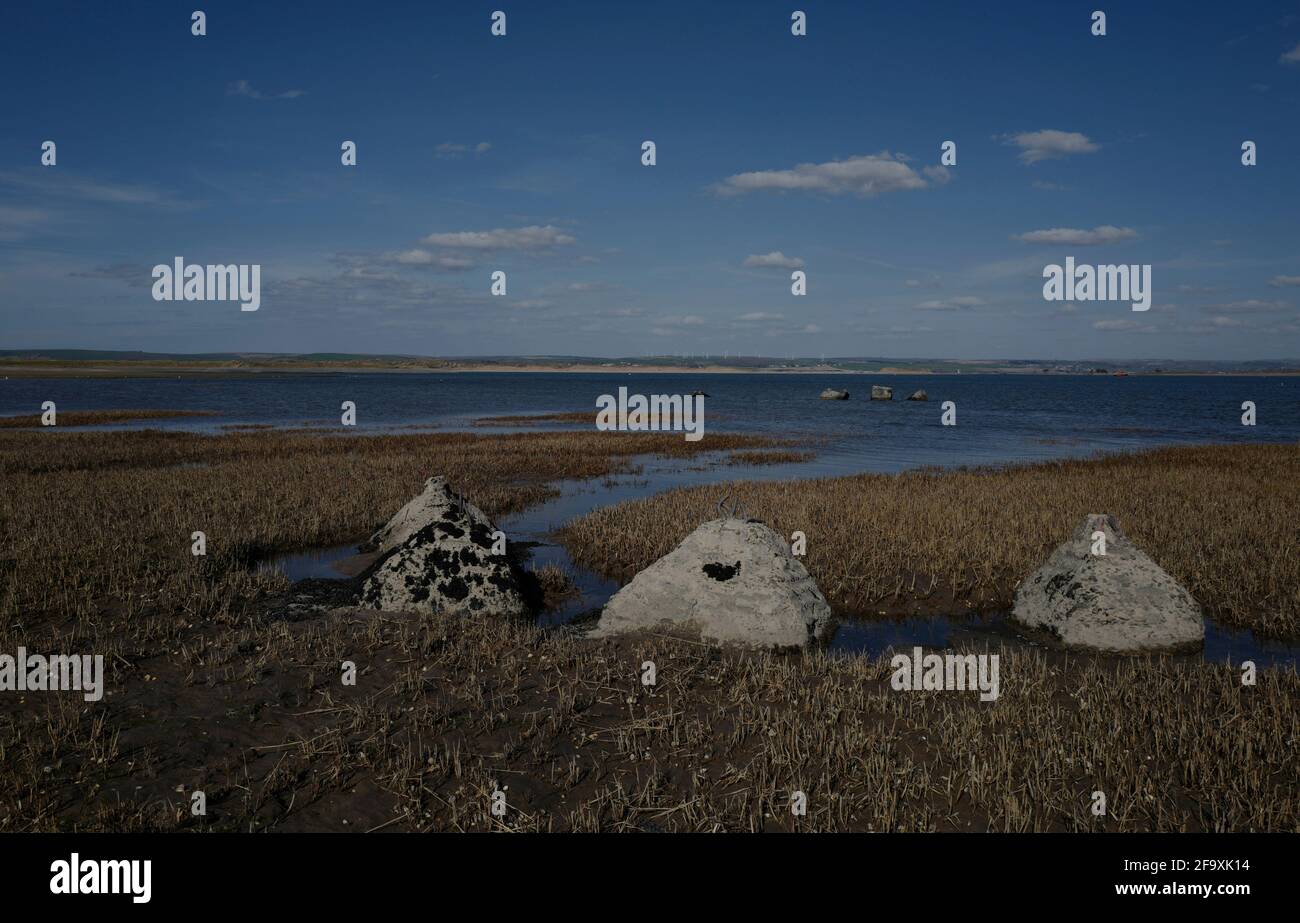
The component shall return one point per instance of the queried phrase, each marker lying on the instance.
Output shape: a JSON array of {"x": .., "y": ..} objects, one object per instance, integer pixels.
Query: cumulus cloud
[
  {"x": 1130, "y": 326},
  {"x": 673, "y": 324},
  {"x": 1292, "y": 56},
  {"x": 864, "y": 176},
  {"x": 136, "y": 275},
  {"x": 88, "y": 190},
  {"x": 1049, "y": 144},
  {"x": 244, "y": 88},
  {"x": 361, "y": 288},
  {"x": 1284, "y": 281},
  {"x": 774, "y": 260},
  {"x": 530, "y": 304},
  {"x": 1249, "y": 306},
  {"x": 529, "y": 238},
  {"x": 417, "y": 257},
  {"x": 17, "y": 223},
  {"x": 453, "y": 149},
  {"x": 1106, "y": 234},
  {"x": 940, "y": 175},
  {"x": 680, "y": 320},
  {"x": 950, "y": 304}
]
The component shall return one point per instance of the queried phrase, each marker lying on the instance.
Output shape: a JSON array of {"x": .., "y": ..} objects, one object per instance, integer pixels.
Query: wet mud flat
[{"x": 445, "y": 713}]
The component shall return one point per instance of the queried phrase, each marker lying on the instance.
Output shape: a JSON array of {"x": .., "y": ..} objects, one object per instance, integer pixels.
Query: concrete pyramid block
[{"x": 1117, "y": 601}]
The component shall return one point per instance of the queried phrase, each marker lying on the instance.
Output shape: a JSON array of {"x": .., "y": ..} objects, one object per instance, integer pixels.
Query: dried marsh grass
[
  {"x": 95, "y": 521},
  {"x": 1222, "y": 519}
]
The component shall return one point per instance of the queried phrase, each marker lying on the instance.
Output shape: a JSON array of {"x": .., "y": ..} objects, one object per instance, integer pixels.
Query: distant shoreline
[{"x": 145, "y": 369}]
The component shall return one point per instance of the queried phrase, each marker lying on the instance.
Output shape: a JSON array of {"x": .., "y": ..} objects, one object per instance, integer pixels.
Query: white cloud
[
  {"x": 865, "y": 176},
  {"x": 17, "y": 223},
  {"x": 774, "y": 260},
  {"x": 1049, "y": 144},
  {"x": 950, "y": 304},
  {"x": 1131, "y": 326},
  {"x": 672, "y": 325},
  {"x": 680, "y": 320},
  {"x": 1284, "y": 281},
  {"x": 940, "y": 175},
  {"x": 417, "y": 257},
  {"x": 134, "y": 275},
  {"x": 243, "y": 88},
  {"x": 529, "y": 238},
  {"x": 529, "y": 304},
  {"x": 1106, "y": 234},
  {"x": 760, "y": 316},
  {"x": 1250, "y": 306},
  {"x": 89, "y": 190},
  {"x": 1292, "y": 56},
  {"x": 453, "y": 149}
]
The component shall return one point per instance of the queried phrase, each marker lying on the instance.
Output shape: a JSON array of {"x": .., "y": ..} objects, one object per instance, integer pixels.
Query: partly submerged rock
[
  {"x": 1119, "y": 601},
  {"x": 882, "y": 393},
  {"x": 439, "y": 559},
  {"x": 834, "y": 394},
  {"x": 918, "y": 395},
  {"x": 734, "y": 581}
]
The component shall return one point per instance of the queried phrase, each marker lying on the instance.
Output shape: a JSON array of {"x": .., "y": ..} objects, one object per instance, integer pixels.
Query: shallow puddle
[
  {"x": 337, "y": 562},
  {"x": 877, "y": 636}
]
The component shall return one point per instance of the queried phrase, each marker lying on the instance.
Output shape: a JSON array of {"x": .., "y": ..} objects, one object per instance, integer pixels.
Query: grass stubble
[{"x": 227, "y": 680}]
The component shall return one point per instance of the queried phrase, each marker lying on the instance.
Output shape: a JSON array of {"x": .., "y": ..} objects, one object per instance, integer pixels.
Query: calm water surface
[{"x": 1000, "y": 418}]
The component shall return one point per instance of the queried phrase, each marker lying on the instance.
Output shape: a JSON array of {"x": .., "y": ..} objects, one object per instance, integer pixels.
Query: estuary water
[{"x": 1000, "y": 418}]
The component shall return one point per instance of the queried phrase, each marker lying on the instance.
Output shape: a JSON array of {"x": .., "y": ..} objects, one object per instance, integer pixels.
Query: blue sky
[{"x": 522, "y": 153}]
